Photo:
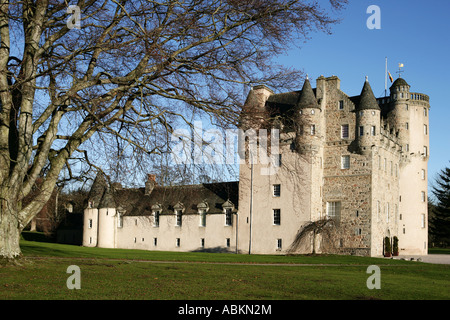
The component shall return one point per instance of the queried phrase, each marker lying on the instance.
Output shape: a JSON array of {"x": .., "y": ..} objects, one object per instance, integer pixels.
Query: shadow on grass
[{"x": 37, "y": 236}]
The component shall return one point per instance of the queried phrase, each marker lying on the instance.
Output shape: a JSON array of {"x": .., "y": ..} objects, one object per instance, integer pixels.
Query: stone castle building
[{"x": 350, "y": 172}]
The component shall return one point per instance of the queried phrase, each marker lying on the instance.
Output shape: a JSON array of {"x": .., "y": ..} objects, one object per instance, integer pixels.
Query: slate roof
[
  {"x": 367, "y": 99},
  {"x": 136, "y": 203},
  {"x": 307, "y": 97}
]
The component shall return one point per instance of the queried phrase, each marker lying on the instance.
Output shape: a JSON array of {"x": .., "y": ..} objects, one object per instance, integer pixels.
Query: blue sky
[{"x": 415, "y": 33}]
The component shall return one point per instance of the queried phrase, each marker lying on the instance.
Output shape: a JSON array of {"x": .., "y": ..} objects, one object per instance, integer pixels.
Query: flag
[{"x": 390, "y": 77}]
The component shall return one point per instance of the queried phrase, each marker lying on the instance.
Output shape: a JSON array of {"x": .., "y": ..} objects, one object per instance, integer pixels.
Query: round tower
[
  {"x": 308, "y": 116},
  {"x": 90, "y": 217},
  {"x": 409, "y": 116},
  {"x": 106, "y": 221},
  {"x": 399, "y": 118},
  {"x": 367, "y": 120}
]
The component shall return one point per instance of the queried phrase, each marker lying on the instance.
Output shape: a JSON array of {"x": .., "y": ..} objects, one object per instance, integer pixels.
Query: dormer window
[
  {"x": 228, "y": 217},
  {"x": 228, "y": 207},
  {"x": 179, "y": 208},
  {"x": 179, "y": 220},
  {"x": 202, "y": 208},
  {"x": 156, "y": 212},
  {"x": 156, "y": 218},
  {"x": 202, "y": 218}
]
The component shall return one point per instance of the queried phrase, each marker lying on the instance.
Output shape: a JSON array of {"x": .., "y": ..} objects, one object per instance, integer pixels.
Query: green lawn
[{"x": 128, "y": 274}]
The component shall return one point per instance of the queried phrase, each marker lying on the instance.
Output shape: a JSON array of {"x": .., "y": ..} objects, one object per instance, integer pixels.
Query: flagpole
[{"x": 385, "y": 80}]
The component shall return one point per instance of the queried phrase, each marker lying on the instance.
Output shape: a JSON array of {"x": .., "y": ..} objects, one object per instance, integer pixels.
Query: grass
[{"x": 129, "y": 274}]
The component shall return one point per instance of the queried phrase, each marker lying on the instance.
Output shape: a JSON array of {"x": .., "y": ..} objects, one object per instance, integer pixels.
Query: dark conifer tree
[{"x": 440, "y": 223}]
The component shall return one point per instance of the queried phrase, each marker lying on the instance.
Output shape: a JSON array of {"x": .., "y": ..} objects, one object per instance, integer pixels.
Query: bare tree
[{"x": 113, "y": 90}]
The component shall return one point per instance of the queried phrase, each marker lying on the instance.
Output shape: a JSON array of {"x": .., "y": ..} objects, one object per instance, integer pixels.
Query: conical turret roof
[
  {"x": 97, "y": 190},
  {"x": 307, "y": 97},
  {"x": 367, "y": 99}
]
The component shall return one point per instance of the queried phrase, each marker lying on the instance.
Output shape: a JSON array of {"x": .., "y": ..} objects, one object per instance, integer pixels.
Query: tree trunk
[{"x": 9, "y": 236}]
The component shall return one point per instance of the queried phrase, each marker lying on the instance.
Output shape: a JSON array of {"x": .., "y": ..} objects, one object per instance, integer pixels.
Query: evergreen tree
[{"x": 440, "y": 227}]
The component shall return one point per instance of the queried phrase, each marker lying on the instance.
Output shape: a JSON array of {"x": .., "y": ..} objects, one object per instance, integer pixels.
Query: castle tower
[
  {"x": 90, "y": 218},
  {"x": 99, "y": 221},
  {"x": 409, "y": 115},
  {"x": 254, "y": 112},
  {"x": 309, "y": 120},
  {"x": 367, "y": 120},
  {"x": 399, "y": 115},
  {"x": 107, "y": 221}
]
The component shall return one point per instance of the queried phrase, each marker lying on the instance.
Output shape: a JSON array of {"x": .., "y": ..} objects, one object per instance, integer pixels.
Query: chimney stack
[{"x": 150, "y": 184}]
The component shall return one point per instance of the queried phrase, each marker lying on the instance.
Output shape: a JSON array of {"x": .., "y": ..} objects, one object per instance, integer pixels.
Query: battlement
[{"x": 420, "y": 97}]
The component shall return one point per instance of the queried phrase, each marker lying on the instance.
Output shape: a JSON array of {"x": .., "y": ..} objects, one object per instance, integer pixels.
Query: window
[
  {"x": 202, "y": 242},
  {"x": 345, "y": 162},
  {"x": 119, "y": 220},
  {"x": 425, "y": 151},
  {"x": 313, "y": 129},
  {"x": 373, "y": 130},
  {"x": 276, "y": 190},
  {"x": 202, "y": 218},
  {"x": 90, "y": 240},
  {"x": 407, "y": 126},
  {"x": 155, "y": 241},
  {"x": 90, "y": 223},
  {"x": 423, "y": 174},
  {"x": 276, "y": 216},
  {"x": 361, "y": 131},
  {"x": 228, "y": 242},
  {"x": 424, "y": 112},
  {"x": 341, "y": 105},
  {"x": 425, "y": 129},
  {"x": 344, "y": 131},
  {"x": 279, "y": 244},
  {"x": 407, "y": 147},
  {"x": 423, "y": 196},
  {"x": 334, "y": 210},
  {"x": 156, "y": 218},
  {"x": 178, "y": 218},
  {"x": 422, "y": 220},
  {"x": 228, "y": 217},
  {"x": 358, "y": 231},
  {"x": 177, "y": 242}
]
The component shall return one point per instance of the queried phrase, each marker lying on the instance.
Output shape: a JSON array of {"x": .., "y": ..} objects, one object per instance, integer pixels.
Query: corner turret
[
  {"x": 308, "y": 119},
  {"x": 367, "y": 119}
]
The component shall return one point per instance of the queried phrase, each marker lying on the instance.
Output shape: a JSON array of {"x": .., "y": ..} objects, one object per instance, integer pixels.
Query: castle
[{"x": 351, "y": 172}]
